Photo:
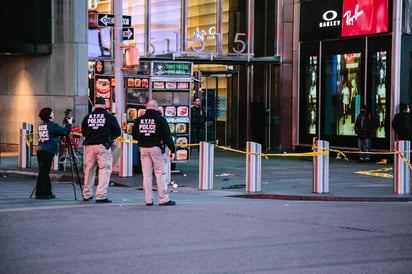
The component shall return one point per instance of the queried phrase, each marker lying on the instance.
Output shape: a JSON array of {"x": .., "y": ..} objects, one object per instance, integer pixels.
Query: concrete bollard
[
  {"x": 253, "y": 167},
  {"x": 401, "y": 173},
  {"x": 126, "y": 157},
  {"x": 206, "y": 166},
  {"x": 24, "y": 150},
  {"x": 321, "y": 168}
]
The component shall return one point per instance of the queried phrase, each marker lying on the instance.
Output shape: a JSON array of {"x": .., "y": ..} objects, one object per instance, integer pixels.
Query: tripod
[{"x": 74, "y": 168}]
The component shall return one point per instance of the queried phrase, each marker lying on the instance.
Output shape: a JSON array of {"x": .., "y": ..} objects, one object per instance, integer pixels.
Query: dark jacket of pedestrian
[
  {"x": 402, "y": 124},
  {"x": 364, "y": 125},
  {"x": 198, "y": 117}
]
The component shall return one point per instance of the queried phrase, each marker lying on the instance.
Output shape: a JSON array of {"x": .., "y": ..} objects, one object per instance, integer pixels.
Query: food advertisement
[
  {"x": 181, "y": 154},
  {"x": 103, "y": 88},
  {"x": 131, "y": 114},
  {"x": 141, "y": 112},
  {"x": 158, "y": 85},
  {"x": 183, "y": 85},
  {"x": 130, "y": 82},
  {"x": 170, "y": 85},
  {"x": 181, "y": 140},
  {"x": 181, "y": 128},
  {"x": 145, "y": 83},
  {"x": 172, "y": 128},
  {"x": 137, "y": 82},
  {"x": 170, "y": 111},
  {"x": 182, "y": 111}
]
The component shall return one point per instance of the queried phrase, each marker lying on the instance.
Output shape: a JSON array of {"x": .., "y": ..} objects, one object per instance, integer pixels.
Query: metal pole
[
  {"x": 126, "y": 159},
  {"x": 321, "y": 168},
  {"x": 253, "y": 167},
  {"x": 206, "y": 166},
  {"x": 401, "y": 178},
  {"x": 119, "y": 106},
  {"x": 23, "y": 148}
]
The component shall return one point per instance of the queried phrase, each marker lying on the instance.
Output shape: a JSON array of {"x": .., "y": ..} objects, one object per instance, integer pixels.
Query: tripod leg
[
  {"x": 34, "y": 189},
  {"x": 74, "y": 167},
  {"x": 69, "y": 144}
]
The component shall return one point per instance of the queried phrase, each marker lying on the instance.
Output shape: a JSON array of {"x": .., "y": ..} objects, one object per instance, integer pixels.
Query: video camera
[{"x": 67, "y": 115}]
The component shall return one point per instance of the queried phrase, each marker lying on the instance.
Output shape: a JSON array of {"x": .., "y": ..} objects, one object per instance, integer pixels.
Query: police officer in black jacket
[
  {"x": 153, "y": 135},
  {"x": 99, "y": 129}
]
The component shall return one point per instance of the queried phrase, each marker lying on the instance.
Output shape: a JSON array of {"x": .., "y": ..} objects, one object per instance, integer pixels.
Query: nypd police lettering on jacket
[
  {"x": 43, "y": 133},
  {"x": 96, "y": 120},
  {"x": 147, "y": 127}
]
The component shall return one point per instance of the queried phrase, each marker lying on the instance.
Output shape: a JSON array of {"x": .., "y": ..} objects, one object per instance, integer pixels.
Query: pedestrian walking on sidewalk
[
  {"x": 153, "y": 135},
  {"x": 49, "y": 137},
  {"x": 99, "y": 129}
]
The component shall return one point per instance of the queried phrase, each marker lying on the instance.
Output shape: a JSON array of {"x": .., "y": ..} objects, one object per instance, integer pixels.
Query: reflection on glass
[
  {"x": 165, "y": 26},
  {"x": 201, "y": 27},
  {"x": 311, "y": 91},
  {"x": 342, "y": 94},
  {"x": 136, "y": 9},
  {"x": 379, "y": 67}
]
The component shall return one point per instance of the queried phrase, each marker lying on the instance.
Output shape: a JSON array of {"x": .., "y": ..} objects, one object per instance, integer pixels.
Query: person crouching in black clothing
[{"x": 49, "y": 136}]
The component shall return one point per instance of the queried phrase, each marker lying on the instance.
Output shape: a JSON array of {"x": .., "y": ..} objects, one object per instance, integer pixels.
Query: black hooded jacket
[{"x": 151, "y": 129}]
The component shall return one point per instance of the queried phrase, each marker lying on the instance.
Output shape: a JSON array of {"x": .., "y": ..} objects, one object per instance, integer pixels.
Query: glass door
[{"x": 215, "y": 91}]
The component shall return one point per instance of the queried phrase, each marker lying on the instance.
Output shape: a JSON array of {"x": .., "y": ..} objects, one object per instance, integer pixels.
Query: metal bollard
[
  {"x": 126, "y": 157},
  {"x": 24, "y": 149},
  {"x": 206, "y": 166},
  {"x": 253, "y": 167},
  {"x": 321, "y": 168},
  {"x": 401, "y": 174}
]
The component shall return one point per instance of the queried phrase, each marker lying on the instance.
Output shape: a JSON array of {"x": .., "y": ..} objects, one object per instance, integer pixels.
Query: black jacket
[
  {"x": 152, "y": 129},
  {"x": 364, "y": 125},
  {"x": 49, "y": 136},
  {"x": 402, "y": 125},
  {"x": 100, "y": 127},
  {"x": 198, "y": 116}
]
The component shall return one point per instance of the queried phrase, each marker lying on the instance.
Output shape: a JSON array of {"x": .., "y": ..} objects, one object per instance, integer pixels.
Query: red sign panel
[{"x": 364, "y": 17}]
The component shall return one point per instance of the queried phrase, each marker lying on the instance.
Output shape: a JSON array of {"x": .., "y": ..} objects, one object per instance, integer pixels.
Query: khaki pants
[
  {"x": 97, "y": 156},
  {"x": 154, "y": 161}
]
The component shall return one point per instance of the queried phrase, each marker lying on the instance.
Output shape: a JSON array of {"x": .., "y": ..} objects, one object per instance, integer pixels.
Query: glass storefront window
[
  {"x": 311, "y": 79},
  {"x": 99, "y": 38},
  {"x": 136, "y": 9},
  {"x": 165, "y": 26},
  {"x": 379, "y": 90},
  {"x": 201, "y": 29},
  {"x": 342, "y": 98}
]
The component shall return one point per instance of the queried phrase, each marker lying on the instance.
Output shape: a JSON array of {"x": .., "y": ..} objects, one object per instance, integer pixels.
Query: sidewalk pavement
[{"x": 288, "y": 178}]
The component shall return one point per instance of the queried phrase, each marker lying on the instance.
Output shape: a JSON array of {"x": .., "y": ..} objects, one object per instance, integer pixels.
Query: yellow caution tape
[{"x": 377, "y": 172}]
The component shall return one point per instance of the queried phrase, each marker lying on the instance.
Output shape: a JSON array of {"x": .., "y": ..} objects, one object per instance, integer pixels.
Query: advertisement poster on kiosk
[{"x": 169, "y": 83}]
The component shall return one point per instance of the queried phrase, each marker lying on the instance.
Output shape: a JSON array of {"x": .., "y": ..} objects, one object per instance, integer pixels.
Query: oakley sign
[{"x": 329, "y": 17}]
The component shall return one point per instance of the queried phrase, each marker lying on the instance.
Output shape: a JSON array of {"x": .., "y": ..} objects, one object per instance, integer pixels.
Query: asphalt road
[{"x": 206, "y": 232}]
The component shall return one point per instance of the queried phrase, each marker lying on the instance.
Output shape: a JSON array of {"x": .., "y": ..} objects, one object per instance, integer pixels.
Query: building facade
[{"x": 292, "y": 56}]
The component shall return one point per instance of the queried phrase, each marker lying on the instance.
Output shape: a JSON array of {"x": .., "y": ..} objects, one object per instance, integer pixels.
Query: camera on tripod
[{"x": 67, "y": 115}]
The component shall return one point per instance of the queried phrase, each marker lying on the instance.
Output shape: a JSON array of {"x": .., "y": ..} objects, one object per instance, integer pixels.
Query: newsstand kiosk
[{"x": 169, "y": 83}]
